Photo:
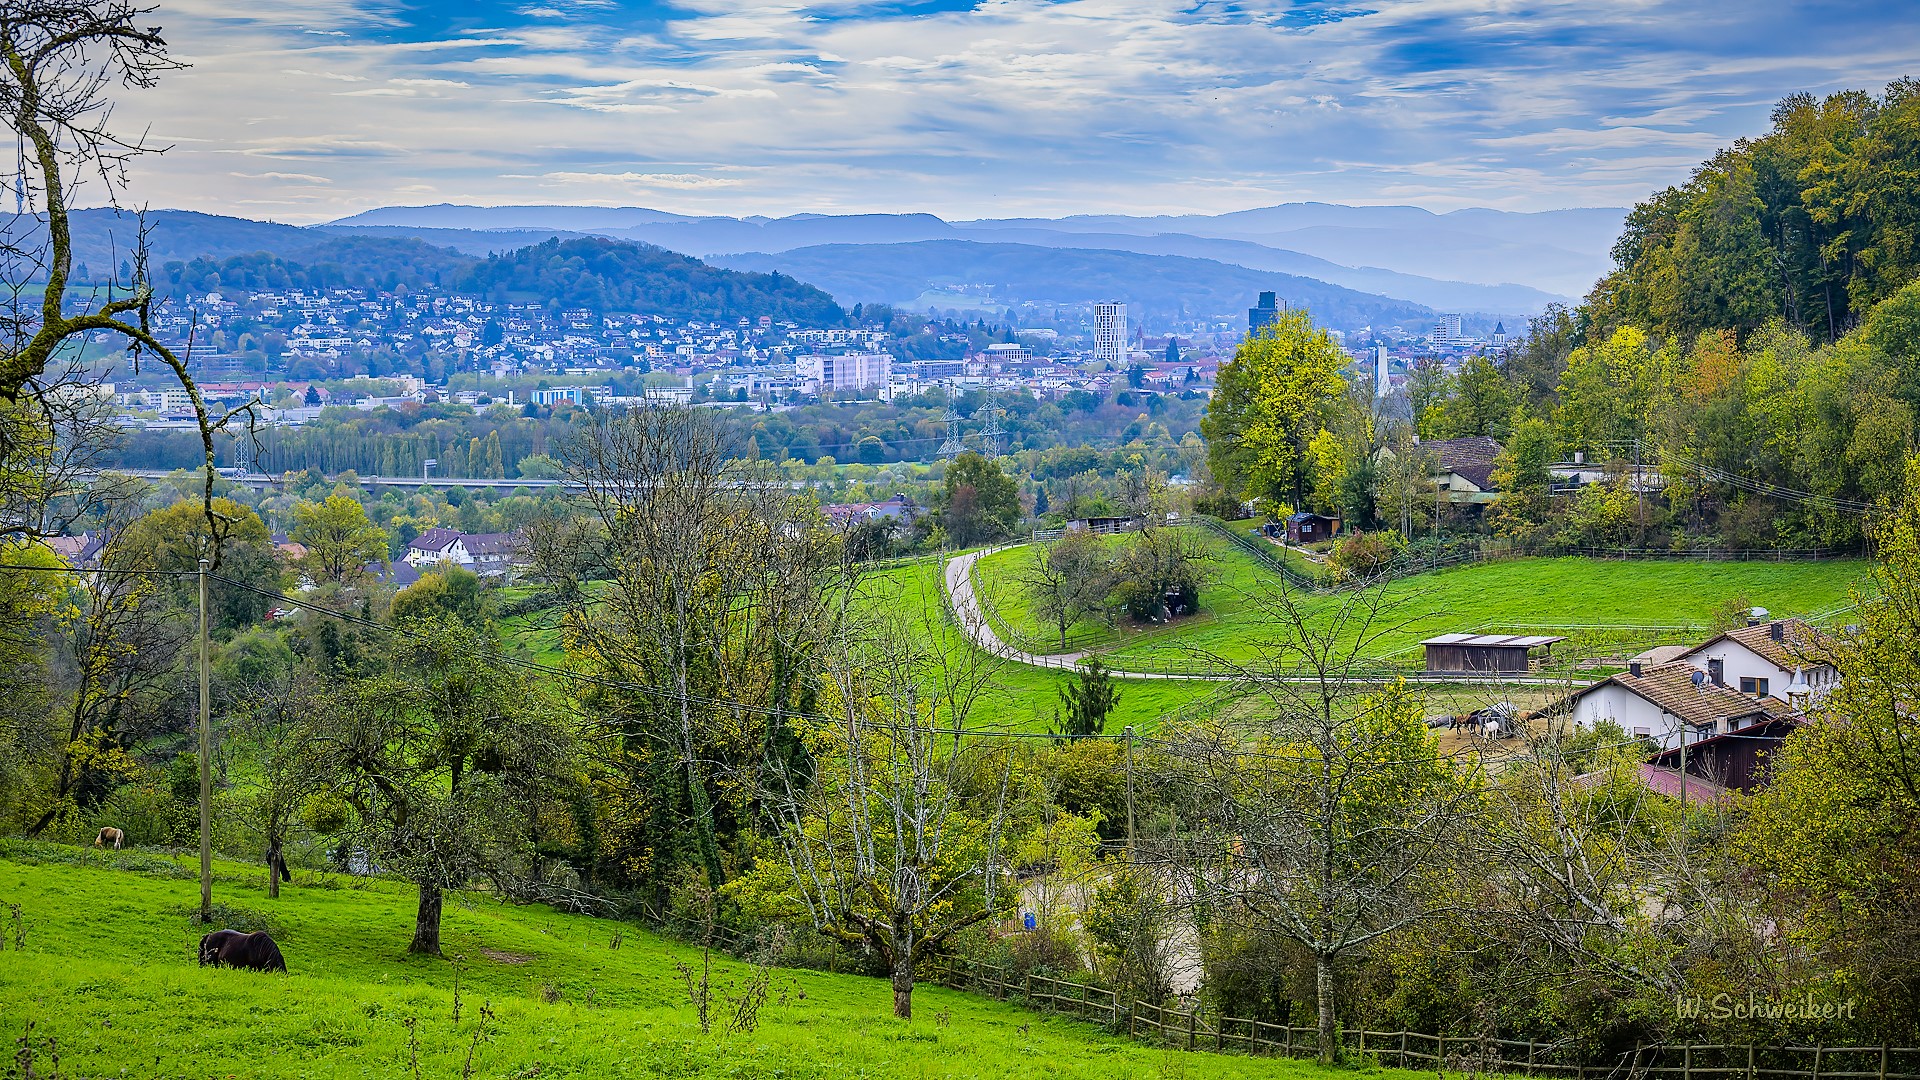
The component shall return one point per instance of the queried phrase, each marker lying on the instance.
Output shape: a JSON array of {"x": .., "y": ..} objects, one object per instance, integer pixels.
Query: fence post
[
  {"x": 1817, "y": 1049},
  {"x": 1193, "y": 1016},
  {"x": 1529, "y": 1057},
  {"x": 1883, "y": 1062},
  {"x": 1363, "y": 1042},
  {"x": 1686, "y": 1063},
  {"x": 1403, "y": 1049},
  {"x": 1750, "y": 1072}
]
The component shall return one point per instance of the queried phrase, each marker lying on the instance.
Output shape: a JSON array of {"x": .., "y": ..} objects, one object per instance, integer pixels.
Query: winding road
[{"x": 974, "y": 623}]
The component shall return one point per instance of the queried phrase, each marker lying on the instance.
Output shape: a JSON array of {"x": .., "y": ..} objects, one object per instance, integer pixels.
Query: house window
[{"x": 1757, "y": 687}]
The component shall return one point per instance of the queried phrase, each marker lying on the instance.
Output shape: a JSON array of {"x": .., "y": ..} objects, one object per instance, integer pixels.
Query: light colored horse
[{"x": 109, "y": 835}]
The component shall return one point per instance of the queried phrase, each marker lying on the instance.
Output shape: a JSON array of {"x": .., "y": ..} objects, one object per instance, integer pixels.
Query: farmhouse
[
  {"x": 1670, "y": 704},
  {"x": 892, "y": 508},
  {"x": 1464, "y": 468},
  {"x": 1497, "y": 654},
  {"x": 1780, "y": 658}
]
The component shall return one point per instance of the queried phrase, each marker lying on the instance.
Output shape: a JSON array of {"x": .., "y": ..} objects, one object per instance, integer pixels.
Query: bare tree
[
  {"x": 896, "y": 844},
  {"x": 1336, "y": 822},
  {"x": 279, "y": 741},
  {"x": 61, "y": 59},
  {"x": 721, "y": 586}
]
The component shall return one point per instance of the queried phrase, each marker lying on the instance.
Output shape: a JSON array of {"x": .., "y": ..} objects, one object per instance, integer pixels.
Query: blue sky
[{"x": 308, "y": 110}]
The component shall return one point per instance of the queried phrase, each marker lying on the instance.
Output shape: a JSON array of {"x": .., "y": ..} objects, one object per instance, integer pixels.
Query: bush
[{"x": 1360, "y": 556}]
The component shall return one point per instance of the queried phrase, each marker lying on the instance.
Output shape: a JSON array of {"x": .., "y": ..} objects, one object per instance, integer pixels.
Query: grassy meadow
[
  {"x": 1577, "y": 597},
  {"x": 107, "y": 970}
]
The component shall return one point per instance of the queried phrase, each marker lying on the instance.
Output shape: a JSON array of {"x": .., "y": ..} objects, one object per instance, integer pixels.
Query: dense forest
[
  {"x": 619, "y": 275},
  {"x": 1758, "y": 344}
]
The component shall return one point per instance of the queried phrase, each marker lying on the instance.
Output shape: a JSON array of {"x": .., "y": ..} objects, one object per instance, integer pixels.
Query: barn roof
[{"x": 1504, "y": 641}]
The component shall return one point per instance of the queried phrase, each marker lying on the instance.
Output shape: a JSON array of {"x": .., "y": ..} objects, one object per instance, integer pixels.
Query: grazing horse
[
  {"x": 109, "y": 835},
  {"x": 231, "y": 948}
]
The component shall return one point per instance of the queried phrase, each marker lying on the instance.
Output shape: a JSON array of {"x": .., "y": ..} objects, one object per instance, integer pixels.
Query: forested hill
[
  {"x": 618, "y": 275},
  {"x": 1814, "y": 223}
]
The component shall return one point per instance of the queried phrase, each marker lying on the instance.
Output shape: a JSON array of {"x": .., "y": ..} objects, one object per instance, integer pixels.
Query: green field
[
  {"x": 1022, "y": 698},
  {"x": 1589, "y": 600},
  {"x": 108, "y": 972}
]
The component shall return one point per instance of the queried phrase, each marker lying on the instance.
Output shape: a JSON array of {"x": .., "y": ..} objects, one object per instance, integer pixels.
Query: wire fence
[{"x": 1195, "y": 1029}]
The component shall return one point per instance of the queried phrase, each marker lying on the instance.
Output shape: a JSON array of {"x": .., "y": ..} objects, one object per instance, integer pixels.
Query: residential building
[
  {"x": 851, "y": 371},
  {"x": 1780, "y": 658},
  {"x": 1671, "y": 704},
  {"x": 1464, "y": 468},
  {"x": 486, "y": 554},
  {"x": 1110, "y": 343},
  {"x": 1447, "y": 330}
]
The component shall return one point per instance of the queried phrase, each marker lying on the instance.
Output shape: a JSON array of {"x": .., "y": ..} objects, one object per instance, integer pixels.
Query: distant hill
[
  {"x": 1155, "y": 286},
  {"x": 1440, "y": 258},
  {"x": 620, "y": 275},
  {"x": 193, "y": 252}
]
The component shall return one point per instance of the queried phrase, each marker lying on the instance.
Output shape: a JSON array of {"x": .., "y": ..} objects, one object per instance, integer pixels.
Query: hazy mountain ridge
[
  {"x": 1156, "y": 288},
  {"x": 1471, "y": 259}
]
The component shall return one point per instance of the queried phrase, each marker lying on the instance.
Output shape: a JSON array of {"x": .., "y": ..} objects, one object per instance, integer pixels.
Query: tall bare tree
[
  {"x": 718, "y": 587},
  {"x": 1336, "y": 821},
  {"x": 896, "y": 844}
]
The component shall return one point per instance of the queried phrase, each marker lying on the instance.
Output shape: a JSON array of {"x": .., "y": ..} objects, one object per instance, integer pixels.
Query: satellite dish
[{"x": 1699, "y": 679}]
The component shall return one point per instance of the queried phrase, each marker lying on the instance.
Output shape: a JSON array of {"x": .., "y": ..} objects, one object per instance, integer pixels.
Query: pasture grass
[
  {"x": 1590, "y": 600},
  {"x": 107, "y": 970}
]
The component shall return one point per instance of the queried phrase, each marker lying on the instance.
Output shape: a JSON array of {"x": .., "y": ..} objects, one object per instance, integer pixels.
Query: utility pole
[
  {"x": 206, "y": 774},
  {"x": 1129, "y": 735}
]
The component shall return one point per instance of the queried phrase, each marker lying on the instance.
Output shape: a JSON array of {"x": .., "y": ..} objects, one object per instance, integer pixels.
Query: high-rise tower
[{"x": 1110, "y": 334}]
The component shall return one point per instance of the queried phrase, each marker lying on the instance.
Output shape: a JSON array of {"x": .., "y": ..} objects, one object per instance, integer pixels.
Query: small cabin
[
  {"x": 1305, "y": 528},
  {"x": 1486, "y": 654}
]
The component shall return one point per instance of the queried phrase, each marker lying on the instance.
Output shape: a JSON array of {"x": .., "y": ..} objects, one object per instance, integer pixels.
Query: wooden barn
[{"x": 1490, "y": 654}]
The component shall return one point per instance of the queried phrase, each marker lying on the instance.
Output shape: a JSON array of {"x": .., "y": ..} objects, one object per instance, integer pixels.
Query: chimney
[
  {"x": 1777, "y": 630},
  {"x": 1634, "y": 669}
]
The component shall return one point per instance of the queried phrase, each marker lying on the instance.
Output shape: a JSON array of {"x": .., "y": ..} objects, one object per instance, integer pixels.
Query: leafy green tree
[
  {"x": 439, "y": 754},
  {"x": 1088, "y": 700},
  {"x": 1479, "y": 401},
  {"x": 339, "y": 538},
  {"x": 1268, "y": 404},
  {"x": 1521, "y": 474},
  {"x": 445, "y": 591},
  {"x": 174, "y": 540},
  {"x": 982, "y": 502}
]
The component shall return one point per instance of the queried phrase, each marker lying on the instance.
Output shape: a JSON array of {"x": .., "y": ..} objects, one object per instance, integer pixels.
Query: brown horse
[
  {"x": 231, "y": 948},
  {"x": 109, "y": 836}
]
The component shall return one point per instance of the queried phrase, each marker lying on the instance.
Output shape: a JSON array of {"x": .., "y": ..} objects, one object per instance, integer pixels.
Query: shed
[
  {"x": 1305, "y": 528},
  {"x": 1494, "y": 654}
]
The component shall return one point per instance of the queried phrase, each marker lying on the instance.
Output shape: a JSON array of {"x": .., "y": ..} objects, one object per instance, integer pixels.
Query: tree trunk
[
  {"x": 903, "y": 989},
  {"x": 276, "y": 870},
  {"x": 426, "y": 924},
  {"x": 902, "y": 956},
  {"x": 1323, "y": 994}
]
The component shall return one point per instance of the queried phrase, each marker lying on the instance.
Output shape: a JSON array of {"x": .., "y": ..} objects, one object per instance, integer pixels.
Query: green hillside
[
  {"x": 1570, "y": 596},
  {"x": 107, "y": 971}
]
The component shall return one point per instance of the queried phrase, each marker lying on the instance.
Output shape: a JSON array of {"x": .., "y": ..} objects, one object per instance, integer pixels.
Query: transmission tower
[
  {"x": 955, "y": 444},
  {"x": 992, "y": 436}
]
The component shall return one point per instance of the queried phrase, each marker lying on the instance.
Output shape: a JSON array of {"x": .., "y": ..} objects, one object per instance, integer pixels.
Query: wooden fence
[{"x": 1194, "y": 1030}]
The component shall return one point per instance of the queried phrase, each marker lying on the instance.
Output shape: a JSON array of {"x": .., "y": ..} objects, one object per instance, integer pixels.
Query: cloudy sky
[{"x": 308, "y": 110}]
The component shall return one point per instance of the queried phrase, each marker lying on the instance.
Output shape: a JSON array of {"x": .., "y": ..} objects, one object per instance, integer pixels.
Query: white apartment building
[
  {"x": 1110, "y": 345},
  {"x": 853, "y": 371}
]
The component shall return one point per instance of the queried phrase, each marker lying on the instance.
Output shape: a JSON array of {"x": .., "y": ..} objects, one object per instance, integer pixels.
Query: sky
[{"x": 310, "y": 110}]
